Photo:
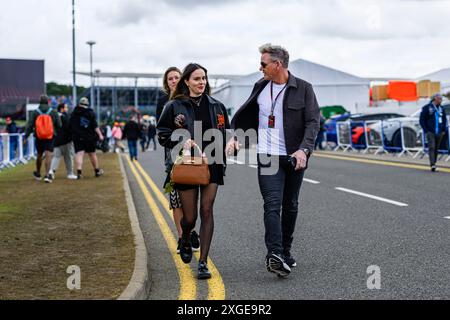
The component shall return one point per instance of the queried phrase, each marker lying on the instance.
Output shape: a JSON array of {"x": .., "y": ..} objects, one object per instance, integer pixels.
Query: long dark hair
[
  {"x": 166, "y": 88},
  {"x": 182, "y": 90}
]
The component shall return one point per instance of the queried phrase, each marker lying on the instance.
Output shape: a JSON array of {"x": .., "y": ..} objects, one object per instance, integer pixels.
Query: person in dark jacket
[
  {"x": 11, "y": 128},
  {"x": 284, "y": 112},
  {"x": 85, "y": 132},
  {"x": 63, "y": 145},
  {"x": 192, "y": 103},
  {"x": 321, "y": 135},
  {"x": 43, "y": 145},
  {"x": 151, "y": 133},
  {"x": 170, "y": 80},
  {"x": 433, "y": 121},
  {"x": 132, "y": 132}
]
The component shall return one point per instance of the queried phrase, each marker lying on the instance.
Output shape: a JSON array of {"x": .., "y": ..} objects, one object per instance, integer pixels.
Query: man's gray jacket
[{"x": 301, "y": 114}]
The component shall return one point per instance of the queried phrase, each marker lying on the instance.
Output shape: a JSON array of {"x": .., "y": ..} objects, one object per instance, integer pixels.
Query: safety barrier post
[
  {"x": 21, "y": 155},
  {"x": 448, "y": 146},
  {"x": 369, "y": 145},
  {"x": 343, "y": 144}
]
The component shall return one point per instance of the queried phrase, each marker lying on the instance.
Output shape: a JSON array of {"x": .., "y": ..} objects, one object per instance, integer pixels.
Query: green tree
[{"x": 55, "y": 89}]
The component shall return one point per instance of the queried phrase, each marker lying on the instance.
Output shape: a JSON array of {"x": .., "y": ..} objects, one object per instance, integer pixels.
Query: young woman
[
  {"x": 170, "y": 80},
  {"x": 192, "y": 102}
]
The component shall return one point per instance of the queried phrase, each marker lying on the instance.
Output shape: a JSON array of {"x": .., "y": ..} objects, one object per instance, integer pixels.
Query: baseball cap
[{"x": 84, "y": 102}]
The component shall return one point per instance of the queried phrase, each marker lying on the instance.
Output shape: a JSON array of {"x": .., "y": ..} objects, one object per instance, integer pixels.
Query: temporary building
[
  {"x": 442, "y": 76},
  {"x": 332, "y": 87}
]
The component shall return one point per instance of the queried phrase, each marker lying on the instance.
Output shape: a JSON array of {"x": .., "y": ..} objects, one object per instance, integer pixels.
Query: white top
[{"x": 271, "y": 141}]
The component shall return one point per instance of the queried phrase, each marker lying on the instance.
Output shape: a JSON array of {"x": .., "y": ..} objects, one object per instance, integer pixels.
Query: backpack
[{"x": 44, "y": 125}]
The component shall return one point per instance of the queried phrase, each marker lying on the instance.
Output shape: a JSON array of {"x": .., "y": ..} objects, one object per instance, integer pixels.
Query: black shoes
[
  {"x": 290, "y": 261},
  {"x": 179, "y": 246},
  {"x": 276, "y": 264},
  {"x": 37, "y": 176},
  {"x": 47, "y": 179},
  {"x": 434, "y": 169},
  {"x": 99, "y": 173},
  {"x": 195, "y": 241},
  {"x": 203, "y": 272},
  {"x": 186, "y": 252}
]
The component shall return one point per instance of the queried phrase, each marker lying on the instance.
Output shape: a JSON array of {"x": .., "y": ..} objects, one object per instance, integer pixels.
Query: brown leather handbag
[{"x": 191, "y": 170}]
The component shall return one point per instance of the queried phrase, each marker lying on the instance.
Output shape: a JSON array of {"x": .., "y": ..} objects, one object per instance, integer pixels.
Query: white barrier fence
[
  {"x": 14, "y": 151},
  {"x": 404, "y": 137}
]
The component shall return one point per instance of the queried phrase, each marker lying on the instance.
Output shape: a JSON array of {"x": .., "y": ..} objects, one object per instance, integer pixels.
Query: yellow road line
[
  {"x": 188, "y": 286},
  {"x": 216, "y": 286},
  {"x": 380, "y": 162}
]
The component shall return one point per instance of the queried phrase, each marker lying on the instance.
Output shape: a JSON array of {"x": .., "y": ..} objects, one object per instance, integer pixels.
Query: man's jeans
[
  {"x": 280, "y": 191},
  {"x": 434, "y": 142},
  {"x": 132, "y": 147}
]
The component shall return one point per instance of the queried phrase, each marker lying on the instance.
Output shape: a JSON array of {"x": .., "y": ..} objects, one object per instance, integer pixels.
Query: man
[
  {"x": 151, "y": 135},
  {"x": 44, "y": 122},
  {"x": 85, "y": 130},
  {"x": 132, "y": 132},
  {"x": 284, "y": 111},
  {"x": 63, "y": 145},
  {"x": 12, "y": 129},
  {"x": 434, "y": 123}
]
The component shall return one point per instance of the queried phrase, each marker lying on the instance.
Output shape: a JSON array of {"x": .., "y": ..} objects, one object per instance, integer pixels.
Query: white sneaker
[{"x": 72, "y": 177}]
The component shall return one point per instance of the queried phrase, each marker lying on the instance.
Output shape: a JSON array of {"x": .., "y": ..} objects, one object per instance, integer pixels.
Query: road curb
[
  {"x": 138, "y": 286},
  {"x": 381, "y": 158}
]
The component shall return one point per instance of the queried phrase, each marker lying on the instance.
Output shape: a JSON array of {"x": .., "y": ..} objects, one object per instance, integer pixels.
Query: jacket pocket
[{"x": 296, "y": 106}]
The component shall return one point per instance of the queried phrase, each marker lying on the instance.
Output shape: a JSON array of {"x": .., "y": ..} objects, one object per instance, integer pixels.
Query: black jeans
[
  {"x": 434, "y": 142},
  {"x": 280, "y": 186}
]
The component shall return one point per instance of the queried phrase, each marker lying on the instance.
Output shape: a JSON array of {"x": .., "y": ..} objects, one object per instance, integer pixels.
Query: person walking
[
  {"x": 433, "y": 121},
  {"x": 63, "y": 145},
  {"x": 117, "y": 135},
  {"x": 151, "y": 133},
  {"x": 132, "y": 132},
  {"x": 321, "y": 136},
  {"x": 284, "y": 112},
  {"x": 85, "y": 132},
  {"x": 43, "y": 123},
  {"x": 11, "y": 128},
  {"x": 170, "y": 80},
  {"x": 192, "y": 103}
]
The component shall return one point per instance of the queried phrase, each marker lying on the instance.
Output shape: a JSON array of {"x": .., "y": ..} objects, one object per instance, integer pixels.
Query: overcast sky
[{"x": 373, "y": 38}]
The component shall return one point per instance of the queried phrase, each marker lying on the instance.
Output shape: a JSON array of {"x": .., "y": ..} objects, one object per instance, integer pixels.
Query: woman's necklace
[{"x": 197, "y": 100}]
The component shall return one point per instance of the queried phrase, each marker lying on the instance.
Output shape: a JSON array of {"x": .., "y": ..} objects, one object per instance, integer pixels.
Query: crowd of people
[{"x": 59, "y": 135}]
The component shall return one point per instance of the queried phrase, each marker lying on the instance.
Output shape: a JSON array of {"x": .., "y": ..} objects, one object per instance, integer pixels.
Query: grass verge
[{"x": 45, "y": 228}]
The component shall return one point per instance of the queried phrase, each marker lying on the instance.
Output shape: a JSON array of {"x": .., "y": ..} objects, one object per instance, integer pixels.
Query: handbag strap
[{"x": 188, "y": 153}]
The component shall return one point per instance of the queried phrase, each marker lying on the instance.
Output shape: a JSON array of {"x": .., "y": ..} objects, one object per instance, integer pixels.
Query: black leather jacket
[{"x": 182, "y": 109}]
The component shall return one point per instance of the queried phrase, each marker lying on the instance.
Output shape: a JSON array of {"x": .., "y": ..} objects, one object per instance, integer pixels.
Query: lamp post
[
  {"x": 91, "y": 44},
  {"x": 97, "y": 73},
  {"x": 74, "y": 88}
]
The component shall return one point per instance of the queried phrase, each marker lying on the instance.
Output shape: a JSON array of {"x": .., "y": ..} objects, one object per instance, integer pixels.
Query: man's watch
[{"x": 306, "y": 151}]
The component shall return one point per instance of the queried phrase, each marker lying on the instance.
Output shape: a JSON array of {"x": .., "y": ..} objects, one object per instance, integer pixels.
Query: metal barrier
[
  {"x": 374, "y": 140},
  {"x": 344, "y": 136},
  {"x": 13, "y": 151},
  {"x": 411, "y": 138}
]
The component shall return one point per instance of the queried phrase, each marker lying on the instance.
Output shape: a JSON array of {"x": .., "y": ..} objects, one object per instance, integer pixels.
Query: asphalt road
[{"x": 339, "y": 235}]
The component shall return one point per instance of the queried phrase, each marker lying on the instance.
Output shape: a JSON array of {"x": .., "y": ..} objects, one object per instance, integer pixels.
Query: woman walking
[
  {"x": 192, "y": 102},
  {"x": 170, "y": 80}
]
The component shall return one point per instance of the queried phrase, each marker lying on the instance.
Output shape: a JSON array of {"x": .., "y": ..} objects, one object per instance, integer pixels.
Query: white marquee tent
[{"x": 332, "y": 87}]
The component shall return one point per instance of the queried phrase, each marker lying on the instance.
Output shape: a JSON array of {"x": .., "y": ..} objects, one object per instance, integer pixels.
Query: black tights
[{"x": 189, "y": 199}]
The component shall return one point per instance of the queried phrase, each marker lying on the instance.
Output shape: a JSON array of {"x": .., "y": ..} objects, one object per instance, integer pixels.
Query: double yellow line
[{"x": 188, "y": 282}]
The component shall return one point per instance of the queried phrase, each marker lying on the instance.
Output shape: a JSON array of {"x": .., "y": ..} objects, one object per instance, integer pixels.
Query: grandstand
[{"x": 21, "y": 82}]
